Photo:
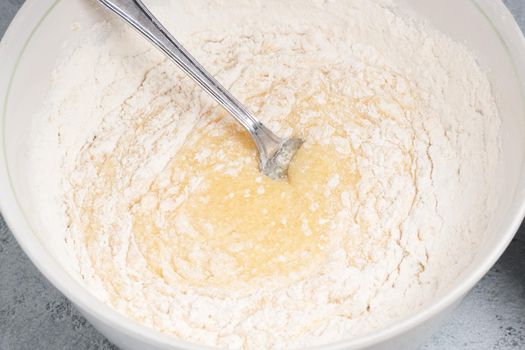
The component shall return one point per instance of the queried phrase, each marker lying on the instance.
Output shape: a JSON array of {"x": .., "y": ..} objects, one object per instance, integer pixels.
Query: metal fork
[{"x": 275, "y": 153}]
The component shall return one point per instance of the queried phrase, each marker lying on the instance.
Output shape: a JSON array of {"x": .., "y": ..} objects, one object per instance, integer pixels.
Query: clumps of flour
[{"x": 410, "y": 106}]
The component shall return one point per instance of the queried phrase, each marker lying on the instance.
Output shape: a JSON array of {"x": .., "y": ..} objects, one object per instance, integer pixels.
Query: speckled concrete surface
[{"x": 34, "y": 315}]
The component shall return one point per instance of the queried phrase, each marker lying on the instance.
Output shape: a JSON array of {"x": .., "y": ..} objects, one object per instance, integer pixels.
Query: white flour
[{"x": 403, "y": 106}]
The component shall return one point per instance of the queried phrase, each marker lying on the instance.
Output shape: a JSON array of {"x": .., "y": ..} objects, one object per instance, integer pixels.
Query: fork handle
[{"x": 137, "y": 15}]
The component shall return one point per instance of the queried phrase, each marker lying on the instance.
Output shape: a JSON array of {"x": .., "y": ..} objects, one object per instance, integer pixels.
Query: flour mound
[{"x": 157, "y": 184}]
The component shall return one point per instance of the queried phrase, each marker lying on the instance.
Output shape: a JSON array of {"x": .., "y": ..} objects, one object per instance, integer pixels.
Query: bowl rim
[{"x": 11, "y": 46}]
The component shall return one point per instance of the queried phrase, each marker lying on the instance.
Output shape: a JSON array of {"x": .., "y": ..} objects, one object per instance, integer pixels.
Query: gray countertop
[{"x": 34, "y": 315}]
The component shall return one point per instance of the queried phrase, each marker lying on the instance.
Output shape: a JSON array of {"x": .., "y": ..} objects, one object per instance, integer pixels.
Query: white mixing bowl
[{"x": 27, "y": 56}]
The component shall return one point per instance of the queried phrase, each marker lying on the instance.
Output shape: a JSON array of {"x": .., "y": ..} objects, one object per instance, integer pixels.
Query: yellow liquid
[{"x": 241, "y": 225}]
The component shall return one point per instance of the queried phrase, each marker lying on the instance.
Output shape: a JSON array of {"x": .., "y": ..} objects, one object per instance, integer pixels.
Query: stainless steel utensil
[{"x": 275, "y": 153}]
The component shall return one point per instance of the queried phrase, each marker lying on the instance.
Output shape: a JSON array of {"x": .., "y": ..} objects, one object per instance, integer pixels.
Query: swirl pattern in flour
[{"x": 173, "y": 225}]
